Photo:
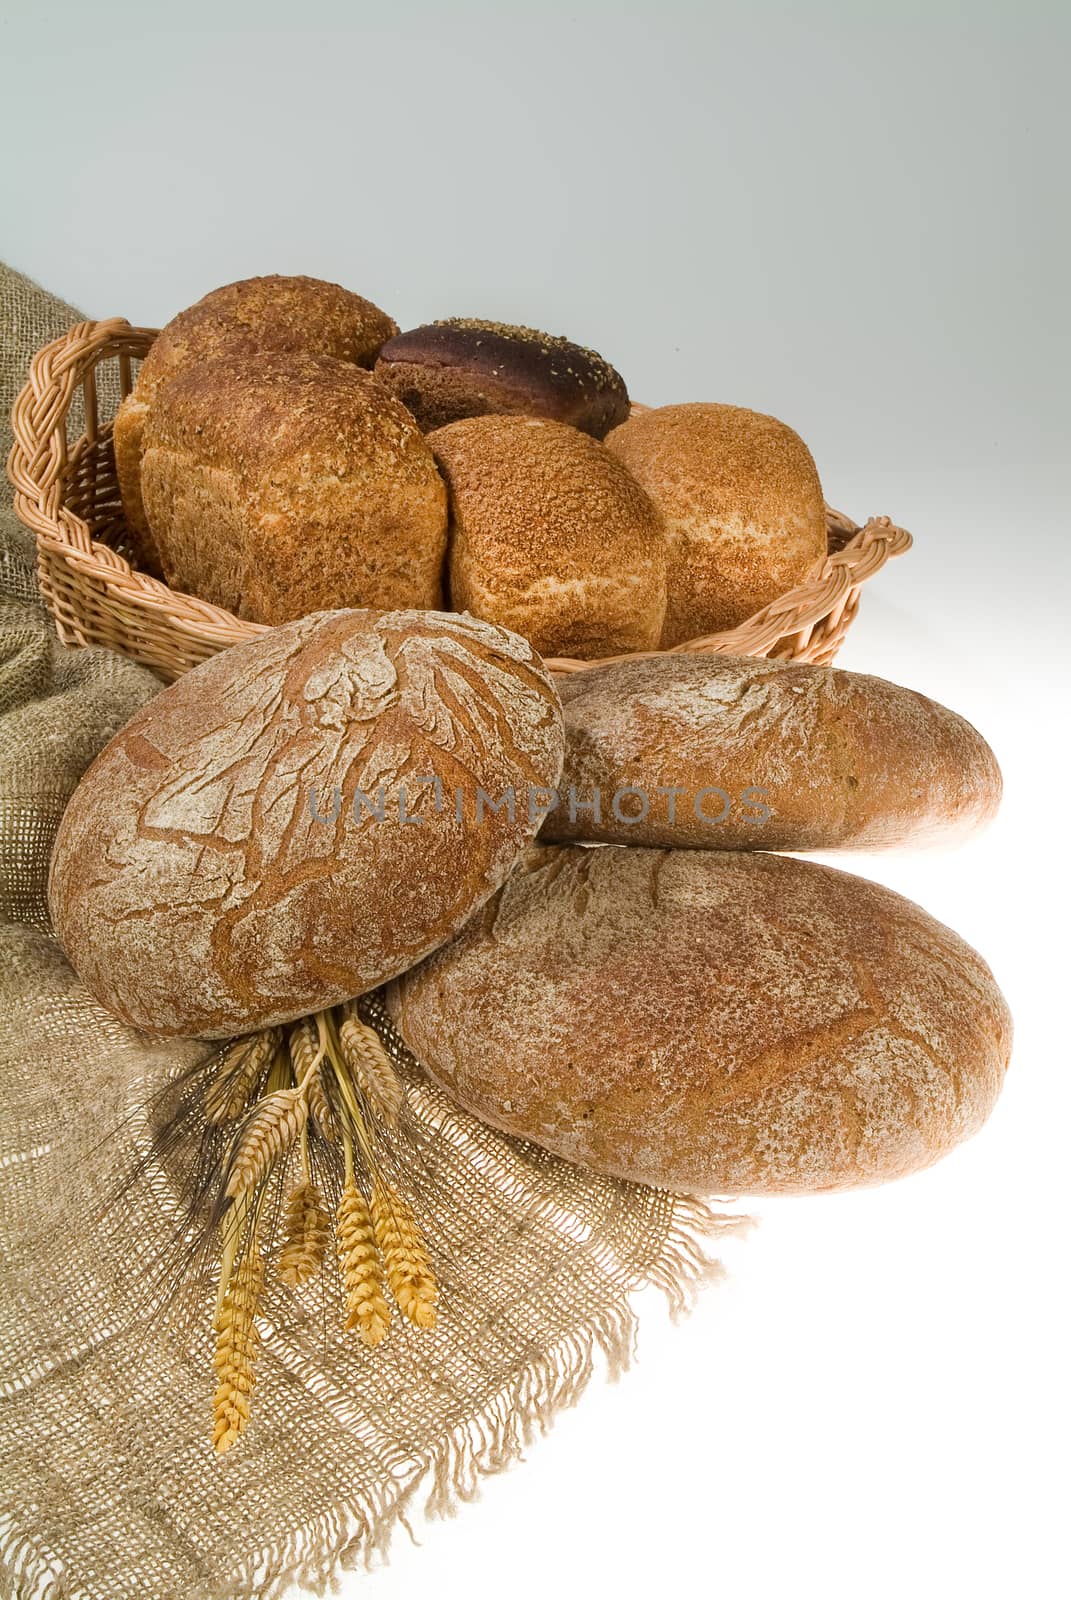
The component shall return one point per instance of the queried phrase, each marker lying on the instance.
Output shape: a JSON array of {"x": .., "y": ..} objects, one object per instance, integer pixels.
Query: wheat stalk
[
  {"x": 308, "y": 1228},
  {"x": 243, "y": 1062},
  {"x": 269, "y": 1131},
  {"x": 320, "y": 1104},
  {"x": 366, "y": 1306},
  {"x": 236, "y": 1348},
  {"x": 405, "y": 1256},
  {"x": 364, "y": 1055}
]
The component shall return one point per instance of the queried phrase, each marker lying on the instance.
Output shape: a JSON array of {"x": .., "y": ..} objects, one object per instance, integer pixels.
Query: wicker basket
[{"x": 67, "y": 493}]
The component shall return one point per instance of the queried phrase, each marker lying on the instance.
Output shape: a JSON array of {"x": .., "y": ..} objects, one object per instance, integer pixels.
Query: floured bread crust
[
  {"x": 207, "y": 878},
  {"x": 710, "y": 1022},
  {"x": 742, "y": 504},
  {"x": 736, "y": 753}
]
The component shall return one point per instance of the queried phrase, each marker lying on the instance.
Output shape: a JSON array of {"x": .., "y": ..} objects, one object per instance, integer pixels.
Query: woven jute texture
[{"x": 108, "y": 1485}]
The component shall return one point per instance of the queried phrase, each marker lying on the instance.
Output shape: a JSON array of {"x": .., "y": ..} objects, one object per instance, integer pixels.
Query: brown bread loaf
[
  {"x": 218, "y": 870},
  {"x": 270, "y": 313},
  {"x": 550, "y": 536},
  {"x": 720, "y": 752},
  {"x": 463, "y": 367},
  {"x": 277, "y": 484},
  {"x": 710, "y": 1022},
  {"x": 742, "y": 504}
]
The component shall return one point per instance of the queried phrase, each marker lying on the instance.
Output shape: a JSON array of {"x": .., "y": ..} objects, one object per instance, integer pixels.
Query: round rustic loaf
[
  {"x": 462, "y": 367},
  {"x": 742, "y": 504},
  {"x": 550, "y": 536},
  {"x": 300, "y": 818},
  {"x": 279, "y": 483},
  {"x": 710, "y": 1022},
  {"x": 271, "y": 313},
  {"x": 719, "y": 752}
]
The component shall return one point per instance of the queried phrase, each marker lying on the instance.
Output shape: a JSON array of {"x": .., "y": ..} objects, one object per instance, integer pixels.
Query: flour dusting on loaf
[
  {"x": 711, "y": 1022},
  {"x": 804, "y": 757},
  {"x": 217, "y": 870}
]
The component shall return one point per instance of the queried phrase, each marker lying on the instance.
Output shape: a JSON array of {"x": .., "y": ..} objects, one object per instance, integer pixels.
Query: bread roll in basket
[{"x": 62, "y": 467}]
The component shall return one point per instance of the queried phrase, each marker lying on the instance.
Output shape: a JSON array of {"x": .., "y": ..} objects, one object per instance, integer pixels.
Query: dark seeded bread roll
[
  {"x": 550, "y": 536},
  {"x": 271, "y": 313},
  {"x": 245, "y": 850},
  {"x": 715, "y": 1023},
  {"x": 728, "y": 753},
  {"x": 462, "y": 367},
  {"x": 742, "y": 504},
  {"x": 279, "y": 483}
]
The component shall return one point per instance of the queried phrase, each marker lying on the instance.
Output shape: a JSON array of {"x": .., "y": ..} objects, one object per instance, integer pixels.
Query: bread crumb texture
[
  {"x": 844, "y": 760},
  {"x": 216, "y": 871},
  {"x": 551, "y": 536},
  {"x": 742, "y": 504},
  {"x": 280, "y": 483},
  {"x": 711, "y": 1022}
]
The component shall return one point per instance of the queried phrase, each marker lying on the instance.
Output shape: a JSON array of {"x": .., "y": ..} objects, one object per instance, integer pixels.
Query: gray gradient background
[{"x": 853, "y": 216}]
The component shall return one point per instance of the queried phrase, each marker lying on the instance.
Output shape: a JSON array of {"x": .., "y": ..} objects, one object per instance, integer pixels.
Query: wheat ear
[
  {"x": 270, "y": 1129},
  {"x": 236, "y": 1349},
  {"x": 364, "y": 1055},
  {"x": 409, "y": 1270},
  {"x": 308, "y": 1228},
  {"x": 366, "y": 1306},
  {"x": 243, "y": 1062}
]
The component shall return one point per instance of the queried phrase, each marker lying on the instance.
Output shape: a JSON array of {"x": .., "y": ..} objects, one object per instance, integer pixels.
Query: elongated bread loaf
[
  {"x": 277, "y": 484},
  {"x": 720, "y": 752},
  {"x": 270, "y": 313},
  {"x": 298, "y": 819},
  {"x": 716, "y": 1023}
]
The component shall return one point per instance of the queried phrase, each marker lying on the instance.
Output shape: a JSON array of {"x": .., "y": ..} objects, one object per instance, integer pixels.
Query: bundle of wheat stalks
[{"x": 302, "y": 1097}]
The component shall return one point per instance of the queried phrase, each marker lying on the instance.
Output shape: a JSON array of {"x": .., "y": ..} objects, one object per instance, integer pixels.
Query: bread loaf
[
  {"x": 299, "y": 818},
  {"x": 277, "y": 484},
  {"x": 550, "y": 536},
  {"x": 710, "y": 1022},
  {"x": 462, "y": 367},
  {"x": 729, "y": 753},
  {"x": 272, "y": 313},
  {"x": 742, "y": 504}
]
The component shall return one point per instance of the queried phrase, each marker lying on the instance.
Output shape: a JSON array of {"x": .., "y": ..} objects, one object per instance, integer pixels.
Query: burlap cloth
[{"x": 108, "y": 1485}]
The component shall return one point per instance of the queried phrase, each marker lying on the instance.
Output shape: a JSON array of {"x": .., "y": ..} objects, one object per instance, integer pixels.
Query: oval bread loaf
[
  {"x": 710, "y": 1022},
  {"x": 277, "y": 484},
  {"x": 297, "y": 819},
  {"x": 739, "y": 753},
  {"x": 464, "y": 367},
  {"x": 742, "y": 505},
  {"x": 550, "y": 536},
  {"x": 270, "y": 313}
]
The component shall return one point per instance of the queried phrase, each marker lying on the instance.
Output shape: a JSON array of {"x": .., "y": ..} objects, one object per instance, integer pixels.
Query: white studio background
[{"x": 853, "y": 216}]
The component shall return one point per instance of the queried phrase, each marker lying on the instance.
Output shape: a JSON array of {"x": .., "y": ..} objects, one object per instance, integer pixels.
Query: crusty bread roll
[
  {"x": 462, "y": 367},
  {"x": 272, "y": 313},
  {"x": 298, "y": 819},
  {"x": 743, "y": 508},
  {"x": 729, "y": 753},
  {"x": 279, "y": 483},
  {"x": 550, "y": 536},
  {"x": 715, "y": 1023}
]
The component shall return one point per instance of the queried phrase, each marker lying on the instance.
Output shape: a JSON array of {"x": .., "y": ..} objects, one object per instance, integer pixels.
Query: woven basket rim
[{"x": 39, "y": 459}]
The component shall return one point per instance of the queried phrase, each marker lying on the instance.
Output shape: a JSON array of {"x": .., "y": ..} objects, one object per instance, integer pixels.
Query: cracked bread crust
[
  {"x": 270, "y": 313},
  {"x": 710, "y": 1022},
  {"x": 193, "y": 887},
  {"x": 843, "y": 760},
  {"x": 281, "y": 483}
]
